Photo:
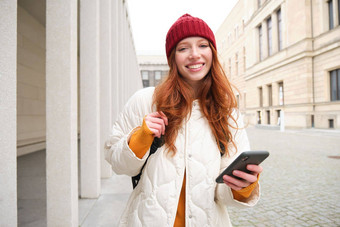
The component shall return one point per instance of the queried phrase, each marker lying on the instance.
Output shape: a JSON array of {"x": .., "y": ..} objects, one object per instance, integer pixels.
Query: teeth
[{"x": 195, "y": 66}]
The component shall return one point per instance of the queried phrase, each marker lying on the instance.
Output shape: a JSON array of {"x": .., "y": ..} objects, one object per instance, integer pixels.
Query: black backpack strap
[
  {"x": 157, "y": 142},
  {"x": 222, "y": 148}
]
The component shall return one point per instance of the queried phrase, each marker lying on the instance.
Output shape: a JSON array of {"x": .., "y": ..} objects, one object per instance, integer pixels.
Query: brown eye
[{"x": 181, "y": 48}]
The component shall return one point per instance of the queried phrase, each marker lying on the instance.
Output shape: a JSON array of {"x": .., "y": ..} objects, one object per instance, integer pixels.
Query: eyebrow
[{"x": 200, "y": 40}]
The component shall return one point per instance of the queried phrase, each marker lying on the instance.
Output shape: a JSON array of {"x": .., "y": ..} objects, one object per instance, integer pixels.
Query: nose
[{"x": 195, "y": 53}]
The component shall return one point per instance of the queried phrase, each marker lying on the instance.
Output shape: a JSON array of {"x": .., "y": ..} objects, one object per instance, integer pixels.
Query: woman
[{"x": 194, "y": 110}]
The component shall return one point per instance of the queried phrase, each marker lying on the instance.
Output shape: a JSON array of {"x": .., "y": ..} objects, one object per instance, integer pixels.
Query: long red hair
[{"x": 174, "y": 96}]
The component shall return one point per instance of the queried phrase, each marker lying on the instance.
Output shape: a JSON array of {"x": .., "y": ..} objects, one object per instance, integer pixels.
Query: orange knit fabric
[
  {"x": 244, "y": 193},
  {"x": 140, "y": 142}
]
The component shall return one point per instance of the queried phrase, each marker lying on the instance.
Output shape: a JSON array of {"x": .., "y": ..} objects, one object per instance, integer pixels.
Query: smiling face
[{"x": 193, "y": 58}]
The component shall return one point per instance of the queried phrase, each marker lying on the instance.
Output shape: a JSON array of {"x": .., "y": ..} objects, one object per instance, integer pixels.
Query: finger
[
  {"x": 255, "y": 168},
  {"x": 232, "y": 186},
  {"x": 164, "y": 117},
  {"x": 159, "y": 118},
  {"x": 245, "y": 176},
  {"x": 154, "y": 120},
  {"x": 236, "y": 182},
  {"x": 155, "y": 128},
  {"x": 161, "y": 115}
]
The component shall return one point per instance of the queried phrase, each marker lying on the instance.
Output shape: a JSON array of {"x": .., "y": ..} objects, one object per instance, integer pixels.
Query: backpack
[{"x": 157, "y": 142}]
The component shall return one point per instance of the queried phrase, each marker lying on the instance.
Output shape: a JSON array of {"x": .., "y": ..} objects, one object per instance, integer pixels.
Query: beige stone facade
[{"x": 284, "y": 58}]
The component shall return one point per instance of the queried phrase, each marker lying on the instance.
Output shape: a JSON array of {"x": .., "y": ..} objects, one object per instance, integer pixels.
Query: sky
[{"x": 151, "y": 19}]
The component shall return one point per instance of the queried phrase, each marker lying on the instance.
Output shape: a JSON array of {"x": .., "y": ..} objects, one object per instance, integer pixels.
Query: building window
[
  {"x": 281, "y": 94},
  {"x": 330, "y": 14},
  {"x": 146, "y": 83},
  {"x": 278, "y": 113},
  {"x": 335, "y": 85},
  {"x": 270, "y": 95},
  {"x": 338, "y": 11},
  {"x": 260, "y": 97},
  {"x": 145, "y": 78},
  {"x": 269, "y": 35},
  {"x": 236, "y": 64},
  {"x": 145, "y": 75},
  {"x": 279, "y": 28},
  {"x": 158, "y": 75},
  {"x": 259, "y": 117},
  {"x": 260, "y": 43},
  {"x": 268, "y": 117}
]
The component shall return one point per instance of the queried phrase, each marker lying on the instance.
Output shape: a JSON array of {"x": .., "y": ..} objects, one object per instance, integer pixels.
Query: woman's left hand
[{"x": 246, "y": 178}]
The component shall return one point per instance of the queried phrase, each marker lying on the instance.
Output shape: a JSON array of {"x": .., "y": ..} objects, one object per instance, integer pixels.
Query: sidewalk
[
  {"x": 104, "y": 211},
  {"x": 300, "y": 184}
]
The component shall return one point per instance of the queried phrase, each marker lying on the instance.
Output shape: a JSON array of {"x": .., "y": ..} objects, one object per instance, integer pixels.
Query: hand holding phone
[{"x": 241, "y": 162}]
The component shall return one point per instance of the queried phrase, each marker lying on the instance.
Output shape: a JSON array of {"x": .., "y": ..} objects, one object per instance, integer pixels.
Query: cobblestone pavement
[{"x": 300, "y": 184}]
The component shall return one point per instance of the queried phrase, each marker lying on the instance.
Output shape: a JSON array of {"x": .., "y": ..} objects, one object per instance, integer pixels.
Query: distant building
[
  {"x": 153, "y": 68},
  {"x": 284, "y": 57}
]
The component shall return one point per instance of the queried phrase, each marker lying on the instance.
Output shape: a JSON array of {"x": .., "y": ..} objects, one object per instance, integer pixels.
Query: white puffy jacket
[{"x": 155, "y": 199}]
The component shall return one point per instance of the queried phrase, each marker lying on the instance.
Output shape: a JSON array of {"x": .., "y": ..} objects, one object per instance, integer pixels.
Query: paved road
[{"x": 300, "y": 183}]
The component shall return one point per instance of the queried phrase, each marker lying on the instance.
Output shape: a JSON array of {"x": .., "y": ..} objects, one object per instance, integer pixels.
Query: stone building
[
  {"x": 284, "y": 58},
  {"x": 66, "y": 68},
  {"x": 154, "y": 68}
]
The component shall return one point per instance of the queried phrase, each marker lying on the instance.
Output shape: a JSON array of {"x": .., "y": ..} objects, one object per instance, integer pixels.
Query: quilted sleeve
[
  {"x": 117, "y": 152},
  {"x": 223, "y": 193}
]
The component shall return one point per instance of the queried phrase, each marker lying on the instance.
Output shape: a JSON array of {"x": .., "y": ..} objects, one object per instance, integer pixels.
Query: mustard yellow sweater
[{"x": 140, "y": 143}]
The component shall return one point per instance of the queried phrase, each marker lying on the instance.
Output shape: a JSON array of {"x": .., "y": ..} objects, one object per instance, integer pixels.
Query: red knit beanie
[{"x": 187, "y": 26}]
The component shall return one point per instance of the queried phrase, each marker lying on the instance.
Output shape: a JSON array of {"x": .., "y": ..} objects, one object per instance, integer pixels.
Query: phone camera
[{"x": 245, "y": 158}]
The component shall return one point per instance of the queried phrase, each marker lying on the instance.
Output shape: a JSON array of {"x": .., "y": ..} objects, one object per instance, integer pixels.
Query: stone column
[
  {"x": 265, "y": 95},
  {"x": 120, "y": 54},
  {"x": 61, "y": 113},
  {"x": 105, "y": 82},
  {"x": 115, "y": 62},
  {"x": 89, "y": 100},
  {"x": 336, "y": 13},
  {"x": 8, "y": 113},
  {"x": 284, "y": 25},
  {"x": 125, "y": 90},
  {"x": 125, "y": 54}
]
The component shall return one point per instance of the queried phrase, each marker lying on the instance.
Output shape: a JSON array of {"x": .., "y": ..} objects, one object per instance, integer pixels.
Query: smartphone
[{"x": 241, "y": 162}]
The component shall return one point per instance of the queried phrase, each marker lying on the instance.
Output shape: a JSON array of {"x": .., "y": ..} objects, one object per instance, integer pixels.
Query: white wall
[{"x": 30, "y": 82}]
